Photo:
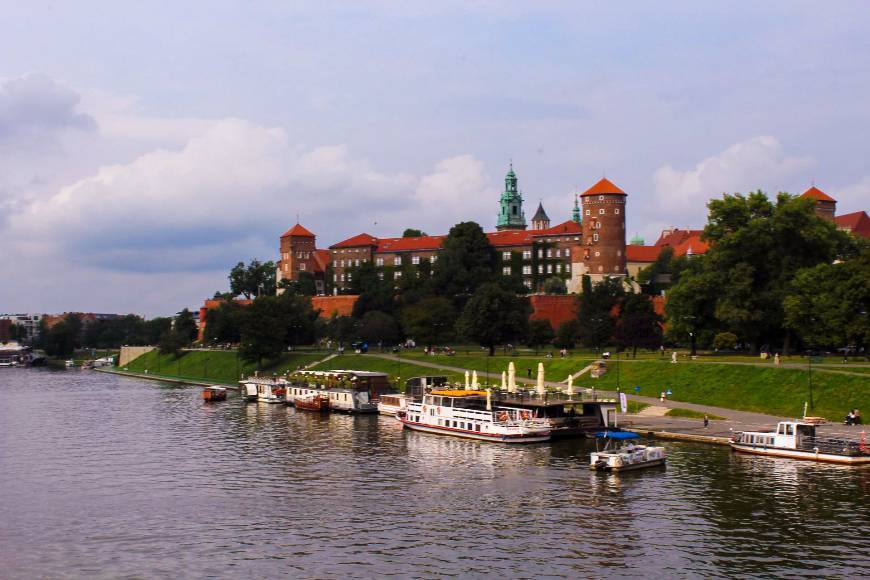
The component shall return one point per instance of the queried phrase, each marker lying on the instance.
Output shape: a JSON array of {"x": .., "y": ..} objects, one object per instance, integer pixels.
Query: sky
[{"x": 145, "y": 148}]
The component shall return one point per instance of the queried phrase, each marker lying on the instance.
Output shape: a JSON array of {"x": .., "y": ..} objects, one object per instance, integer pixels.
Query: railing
[{"x": 833, "y": 446}]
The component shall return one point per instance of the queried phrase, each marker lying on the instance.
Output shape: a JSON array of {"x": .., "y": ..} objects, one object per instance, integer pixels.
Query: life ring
[
  {"x": 524, "y": 415},
  {"x": 502, "y": 416}
]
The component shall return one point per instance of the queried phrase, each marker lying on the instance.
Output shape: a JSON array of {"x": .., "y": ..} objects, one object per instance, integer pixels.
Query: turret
[{"x": 511, "y": 215}]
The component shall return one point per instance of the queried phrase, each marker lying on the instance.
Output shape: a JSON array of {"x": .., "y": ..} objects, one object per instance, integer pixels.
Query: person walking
[{"x": 706, "y": 421}]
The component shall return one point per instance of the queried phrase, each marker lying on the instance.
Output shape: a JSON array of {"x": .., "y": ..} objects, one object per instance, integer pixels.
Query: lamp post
[{"x": 617, "y": 371}]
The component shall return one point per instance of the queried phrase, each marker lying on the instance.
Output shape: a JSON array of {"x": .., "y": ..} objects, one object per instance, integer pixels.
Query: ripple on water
[{"x": 111, "y": 477}]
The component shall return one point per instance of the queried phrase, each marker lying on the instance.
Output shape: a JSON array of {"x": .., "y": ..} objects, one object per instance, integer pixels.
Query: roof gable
[
  {"x": 817, "y": 194},
  {"x": 357, "y": 241},
  {"x": 603, "y": 187},
  {"x": 857, "y": 222},
  {"x": 567, "y": 227},
  {"x": 299, "y": 231}
]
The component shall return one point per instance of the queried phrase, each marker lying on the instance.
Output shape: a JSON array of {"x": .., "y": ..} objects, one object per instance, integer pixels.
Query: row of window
[
  {"x": 549, "y": 269},
  {"x": 549, "y": 253},
  {"x": 602, "y": 212}
]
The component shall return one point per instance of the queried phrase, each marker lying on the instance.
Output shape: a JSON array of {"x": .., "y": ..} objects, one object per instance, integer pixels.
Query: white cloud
[
  {"x": 757, "y": 163},
  {"x": 852, "y": 197}
]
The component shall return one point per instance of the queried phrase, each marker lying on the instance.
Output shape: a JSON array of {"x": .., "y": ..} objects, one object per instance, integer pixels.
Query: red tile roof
[
  {"x": 568, "y": 227},
  {"x": 321, "y": 260},
  {"x": 682, "y": 241},
  {"x": 299, "y": 231},
  {"x": 856, "y": 222},
  {"x": 419, "y": 243},
  {"x": 677, "y": 236},
  {"x": 357, "y": 241},
  {"x": 642, "y": 253},
  {"x": 603, "y": 187},
  {"x": 816, "y": 193},
  {"x": 510, "y": 238}
]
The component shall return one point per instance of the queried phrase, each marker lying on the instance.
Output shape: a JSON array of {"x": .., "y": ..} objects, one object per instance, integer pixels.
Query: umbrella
[
  {"x": 503, "y": 380},
  {"x": 512, "y": 378},
  {"x": 466, "y": 380},
  {"x": 570, "y": 385},
  {"x": 540, "y": 388},
  {"x": 474, "y": 383},
  {"x": 489, "y": 399}
]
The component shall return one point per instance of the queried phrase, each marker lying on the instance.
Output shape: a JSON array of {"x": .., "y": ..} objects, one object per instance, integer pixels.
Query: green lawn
[
  {"x": 404, "y": 370},
  {"x": 635, "y": 407},
  {"x": 690, "y": 414},
  {"x": 215, "y": 366}
]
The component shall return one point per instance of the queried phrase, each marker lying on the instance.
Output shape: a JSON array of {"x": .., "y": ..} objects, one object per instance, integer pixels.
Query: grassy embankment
[
  {"x": 214, "y": 366},
  {"x": 690, "y": 414},
  {"x": 403, "y": 369},
  {"x": 763, "y": 389}
]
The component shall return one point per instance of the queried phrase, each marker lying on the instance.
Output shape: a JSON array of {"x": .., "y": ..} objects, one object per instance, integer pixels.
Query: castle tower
[
  {"x": 297, "y": 253},
  {"x": 575, "y": 213},
  {"x": 511, "y": 215},
  {"x": 826, "y": 206},
  {"x": 540, "y": 221},
  {"x": 602, "y": 250}
]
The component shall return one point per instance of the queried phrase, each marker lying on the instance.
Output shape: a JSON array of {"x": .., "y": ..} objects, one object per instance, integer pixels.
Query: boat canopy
[
  {"x": 458, "y": 393},
  {"x": 617, "y": 435}
]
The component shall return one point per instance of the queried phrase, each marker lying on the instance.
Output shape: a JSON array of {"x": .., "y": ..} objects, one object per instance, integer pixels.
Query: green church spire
[
  {"x": 575, "y": 214},
  {"x": 511, "y": 215}
]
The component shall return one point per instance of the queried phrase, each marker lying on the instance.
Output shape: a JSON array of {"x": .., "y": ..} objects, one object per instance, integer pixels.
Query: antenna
[{"x": 297, "y": 217}]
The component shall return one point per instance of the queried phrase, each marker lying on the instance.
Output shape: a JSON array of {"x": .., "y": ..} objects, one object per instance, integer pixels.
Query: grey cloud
[{"x": 36, "y": 104}]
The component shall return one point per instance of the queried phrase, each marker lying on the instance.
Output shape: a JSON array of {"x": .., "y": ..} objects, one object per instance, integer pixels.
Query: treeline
[
  {"x": 71, "y": 333},
  {"x": 776, "y": 278}
]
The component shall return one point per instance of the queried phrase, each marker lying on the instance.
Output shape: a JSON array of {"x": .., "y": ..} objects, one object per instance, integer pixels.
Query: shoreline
[{"x": 168, "y": 379}]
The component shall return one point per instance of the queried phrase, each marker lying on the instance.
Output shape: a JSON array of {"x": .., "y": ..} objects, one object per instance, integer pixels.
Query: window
[
  {"x": 433, "y": 259},
  {"x": 567, "y": 268},
  {"x": 616, "y": 268},
  {"x": 380, "y": 275},
  {"x": 597, "y": 225},
  {"x": 600, "y": 198},
  {"x": 415, "y": 260},
  {"x": 601, "y": 211},
  {"x": 597, "y": 254},
  {"x": 588, "y": 212},
  {"x": 540, "y": 268},
  {"x": 528, "y": 284},
  {"x": 335, "y": 277},
  {"x": 398, "y": 275},
  {"x": 348, "y": 276},
  {"x": 558, "y": 253},
  {"x": 397, "y": 261},
  {"x": 302, "y": 266},
  {"x": 549, "y": 253},
  {"x": 379, "y": 261},
  {"x": 527, "y": 254},
  {"x": 299, "y": 255},
  {"x": 558, "y": 268},
  {"x": 505, "y": 256},
  {"x": 594, "y": 237},
  {"x": 506, "y": 270},
  {"x": 568, "y": 251},
  {"x": 616, "y": 211},
  {"x": 527, "y": 270},
  {"x": 549, "y": 268},
  {"x": 342, "y": 277},
  {"x": 356, "y": 263},
  {"x": 540, "y": 253},
  {"x": 618, "y": 252}
]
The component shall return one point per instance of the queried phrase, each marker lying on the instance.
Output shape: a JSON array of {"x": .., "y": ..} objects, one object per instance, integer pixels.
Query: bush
[
  {"x": 566, "y": 336},
  {"x": 725, "y": 341},
  {"x": 555, "y": 285}
]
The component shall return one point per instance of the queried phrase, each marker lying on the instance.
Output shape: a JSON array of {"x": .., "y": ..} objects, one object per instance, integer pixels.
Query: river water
[{"x": 110, "y": 477}]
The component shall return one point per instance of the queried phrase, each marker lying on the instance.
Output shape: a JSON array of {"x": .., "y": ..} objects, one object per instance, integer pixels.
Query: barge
[
  {"x": 798, "y": 440},
  {"x": 628, "y": 457},
  {"x": 346, "y": 390}
]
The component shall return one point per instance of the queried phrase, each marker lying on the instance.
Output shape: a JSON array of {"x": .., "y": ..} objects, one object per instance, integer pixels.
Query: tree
[
  {"x": 638, "y": 324},
  {"x": 171, "y": 342},
  {"x": 725, "y": 341},
  {"x": 555, "y": 285},
  {"x": 263, "y": 330},
  {"x": 374, "y": 292},
  {"x": 430, "y": 321},
  {"x": 494, "y": 316},
  {"x": 597, "y": 302},
  {"x": 305, "y": 285},
  {"x": 342, "y": 329},
  {"x": 663, "y": 273},
  {"x": 566, "y": 334},
  {"x": 540, "y": 333},
  {"x": 154, "y": 329},
  {"x": 61, "y": 340},
  {"x": 224, "y": 323},
  {"x": 465, "y": 263},
  {"x": 413, "y": 233},
  {"x": 379, "y": 327},
  {"x": 185, "y": 326},
  {"x": 829, "y": 305},
  {"x": 255, "y": 279}
]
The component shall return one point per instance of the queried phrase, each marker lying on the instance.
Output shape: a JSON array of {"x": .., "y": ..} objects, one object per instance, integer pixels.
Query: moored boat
[
  {"x": 798, "y": 440},
  {"x": 470, "y": 414},
  {"x": 628, "y": 456},
  {"x": 269, "y": 390},
  {"x": 317, "y": 403},
  {"x": 392, "y": 403},
  {"x": 346, "y": 390},
  {"x": 214, "y": 393},
  {"x": 248, "y": 391}
]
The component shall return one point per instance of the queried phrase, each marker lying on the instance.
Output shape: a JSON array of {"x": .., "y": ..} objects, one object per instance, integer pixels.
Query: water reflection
[{"x": 120, "y": 477}]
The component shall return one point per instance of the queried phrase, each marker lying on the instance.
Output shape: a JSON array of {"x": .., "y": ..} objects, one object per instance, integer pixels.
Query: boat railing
[{"x": 833, "y": 446}]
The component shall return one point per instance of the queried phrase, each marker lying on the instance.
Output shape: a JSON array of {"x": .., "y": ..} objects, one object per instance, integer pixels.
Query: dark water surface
[{"x": 108, "y": 477}]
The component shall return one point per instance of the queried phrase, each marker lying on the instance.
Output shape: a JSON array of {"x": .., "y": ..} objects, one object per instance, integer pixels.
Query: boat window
[
  {"x": 789, "y": 429},
  {"x": 477, "y": 427}
]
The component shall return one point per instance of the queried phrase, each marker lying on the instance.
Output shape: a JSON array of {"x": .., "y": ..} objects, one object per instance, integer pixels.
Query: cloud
[
  {"x": 852, "y": 197},
  {"x": 37, "y": 106},
  {"x": 757, "y": 163},
  {"x": 227, "y": 194}
]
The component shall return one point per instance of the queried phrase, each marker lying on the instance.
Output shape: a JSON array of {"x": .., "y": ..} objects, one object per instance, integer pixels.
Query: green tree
[
  {"x": 375, "y": 293},
  {"x": 413, "y": 233},
  {"x": 638, "y": 324},
  {"x": 254, "y": 279},
  {"x": 61, "y": 340},
  {"x": 305, "y": 285},
  {"x": 555, "y": 285},
  {"x": 171, "y": 342},
  {"x": 725, "y": 341},
  {"x": 494, "y": 316},
  {"x": 185, "y": 326},
  {"x": 224, "y": 323},
  {"x": 379, "y": 327},
  {"x": 567, "y": 334},
  {"x": 829, "y": 305},
  {"x": 154, "y": 329},
  {"x": 430, "y": 321},
  {"x": 465, "y": 263},
  {"x": 597, "y": 302},
  {"x": 540, "y": 333},
  {"x": 342, "y": 329},
  {"x": 263, "y": 330}
]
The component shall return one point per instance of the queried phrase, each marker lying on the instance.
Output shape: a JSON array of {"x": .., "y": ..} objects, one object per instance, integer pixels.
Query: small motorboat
[
  {"x": 214, "y": 393},
  {"x": 70, "y": 363},
  {"x": 316, "y": 403},
  {"x": 798, "y": 440},
  {"x": 249, "y": 392},
  {"x": 392, "y": 404},
  {"x": 628, "y": 456}
]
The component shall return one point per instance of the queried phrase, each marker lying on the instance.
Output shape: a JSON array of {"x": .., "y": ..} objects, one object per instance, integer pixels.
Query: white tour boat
[
  {"x": 392, "y": 403},
  {"x": 269, "y": 390},
  {"x": 798, "y": 440},
  {"x": 249, "y": 391},
  {"x": 347, "y": 390},
  {"x": 627, "y": 457},
  {"x": 470, "y": 414}
]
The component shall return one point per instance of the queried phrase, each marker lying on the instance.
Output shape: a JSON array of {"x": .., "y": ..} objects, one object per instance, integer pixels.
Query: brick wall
[{"x": 554, "y": 308}]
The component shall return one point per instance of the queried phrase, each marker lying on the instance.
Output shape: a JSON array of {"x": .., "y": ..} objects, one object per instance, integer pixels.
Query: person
[
  {"x": 776, "y": 359},
  {"x": 850, "y": 418},
  {"x": 674, "y": 357},
  {"x": 706, "y": 421},
  {"x": 857, "y": 415},
  {"x": 529, "y": 372},
  {"x": 662, "y": 397}
]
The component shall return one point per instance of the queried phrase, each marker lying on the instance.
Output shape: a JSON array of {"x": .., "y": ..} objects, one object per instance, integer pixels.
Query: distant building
[
  {"x": 27, "y": 325},
  {"x": 856, "y": 223}
]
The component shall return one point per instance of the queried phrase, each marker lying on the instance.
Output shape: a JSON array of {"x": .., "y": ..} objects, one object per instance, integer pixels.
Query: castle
[{"x": 592, "y": 243}]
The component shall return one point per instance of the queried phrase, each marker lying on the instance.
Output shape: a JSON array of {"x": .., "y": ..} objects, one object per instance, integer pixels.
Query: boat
[
  {"x": 568, "y": 417},
  {"x": 392, "y": 403},
  {"x": 70, "y": 363},
  {"x": 798, "y": 440},
  {"x": 214, "y": 393},
  {"x": 470, "y": 414},
  {"x": 314, "y": 403},
  {"x": 346, "y": 390},
  {"x": 627, "y": 457},
  {"x": 269, "y": 389},
  {"x": 248, "y": 391}
]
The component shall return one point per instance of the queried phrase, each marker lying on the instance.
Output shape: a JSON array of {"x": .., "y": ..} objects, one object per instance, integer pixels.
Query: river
[{"x": 110, "y": 477}]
